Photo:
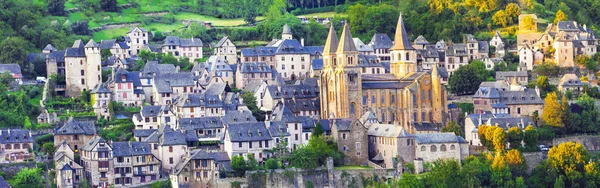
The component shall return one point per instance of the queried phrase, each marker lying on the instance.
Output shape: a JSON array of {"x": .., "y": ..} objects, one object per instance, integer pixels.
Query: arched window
[
  {"x": 372, "y": 99},
  {"x": 452, "y": 147},
  {"x": 423, "y": 148},
  {"x": 393, "y": 99},
  {"x": 393, "y": 117},
  {"x": 443, "y": 147},
  {"x": 407, "y": 56},
  {"x": 433, "y": 148},
  {"x": 382, "y": 99},
  {"x": 334, "y": 61},
  {"x": 352, "y": 109},
  {"x": 382, "y": 117},
  {"x": 364, "y": 101},
  {"x": 422, "y": 95}
]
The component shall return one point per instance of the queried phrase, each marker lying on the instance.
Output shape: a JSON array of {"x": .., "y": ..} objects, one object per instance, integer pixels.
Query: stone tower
[
  {"x": 287, "y": 33},
  {"x": 340, "y": 79},
  {"x": 93, "y": 73},
  {"x": 328, "y": 101},
  {"x": 403, "y": 55}
]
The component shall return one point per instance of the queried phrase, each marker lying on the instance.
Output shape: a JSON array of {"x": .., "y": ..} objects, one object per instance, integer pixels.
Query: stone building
[
  {"x": 248, "y": 138},
  {"x": 251, "y": 71},
  {"x": 102, "y": 97},
  {"x": 226, "y": 50},
  {"x": 15, "y": 144},
  {"x": 436, "y": 146},
  {"x": 68, "y": 172},
  {"x": 75, "y": 133},
  {"x": 405, "y": 96},
  {"x": 521, "y": 76},
  {"x": 362, "y": 48},
  {"x": 218, "y": 66},
  {"x": 180, "y": 47},
  {"x": 154, "y": 117},
  {"x": 171, "y": 148},
  {"x": 299, "y": 128},
  {"x": 280, "y": 93},
  {"x": 169, "y": 86},
  {"x": 14, "y": 70},
  {"x": 198, "y": 105},
  {"x": 199, "y": 168},
  {"x": 137, "y": 38},
  {"x": 571, "y": 82},
  {"x": 134, "y": 164},
  {"x": 352, "y": 139},
  {"x": 381, "y": 44},
  {"x": 97, "y": 160},
  {"x": 82, "y": 67},
  {"x": 518, "y": 101},
  {"x": 202, "y": 130},
  {"x": 504, "y": 121},
  {"x": 456, "y": 56},
  {"x": 264, "y": 54},
  {"x": 148, "y": 75},
  {"x": 117, "y": 49}
]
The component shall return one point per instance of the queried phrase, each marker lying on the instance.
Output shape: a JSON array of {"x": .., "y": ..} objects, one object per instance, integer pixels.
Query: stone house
[
  {"x": 496, "y": 40},
  {"x": 202, "y": 130},
  {"x": 248, "y": 138},
  {"x": 134, "y": 164},
  {"x": 76, "y": 133},
  {"x": 198, "y": 105},
  {"x": 370, "y": 64},
  {"x": 381, "y": 44},
  {"x": 262, "y": 54},
  {"x": 137, "y": 38},
  {"x": 14, "y": 70},
  {"x": 179, "y": 47},
  {"x": 292, "y": 60},
  {"x": 529, "y": 56},
  {"x": 420, "y": 42},
  {"x": 117, "y": 49},
  {"x": 351, "y": 137},
  {"x": 127, "y": 87},
  {"x": 148, "y": 75},
  {"x": 15, "y": 144},
  {"x": 97, "y": 160},
  {"x": 226, "y": 50},
  {"x": 299, "y": 128},
  {"x": 571, "y": 82},
  {"x": 362, "y": 48},
  {"x": 450, "y": 146},
  {"x": 154, "y": 117},
  {"x": 428, "y": 57},
  {"x": 456, "y": 56},
  {"x": 520, "y": 102},
  {"x": 82, "y": 67},
  {"x": 275, "y": 94},
  {"x": 102, "y": 97},
  {"x": 169, "y": 86},
  {"x": 219, "y": 67},
  {"x": 199, "y": 168},
  {"x": 521, "y": 76},
  {"x": 171, "y": 148},
  {"x": 250, "y": 71},
  {"x": 490, "y": 63},
  {"x": 68, "y": 172},
  {"x": 473, "y": 121}
]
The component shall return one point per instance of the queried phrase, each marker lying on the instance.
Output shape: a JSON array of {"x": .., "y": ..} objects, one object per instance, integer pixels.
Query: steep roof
[
  {"x": 331, "y": 42},
  {"x": 286, "y": 29},
  {"x": 438, "y": 138},
  {"x": 73, "y": 126},
  {"x": 346, "y": 43},
  {"x": 245, "y": 132},
  {"x": 401, "y": 40},
  {"x": 152, "y": 67},
  {"x": 291, "y": 47},
  {"x": 8, "y": 136},
  {"x": 171, "y": 137},
  {"x": 49, "y": 47},
  {"x": 91, "y": 43},
  {"x": 421, "y": 40},
  {"x": 381, "y": 41},
  {"x": 124, "y": 149},
  {"x": 12, "y": 68}
]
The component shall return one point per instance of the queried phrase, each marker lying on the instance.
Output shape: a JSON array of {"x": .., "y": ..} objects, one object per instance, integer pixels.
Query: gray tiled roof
[
  {"x": 238, "y": 116},
  {"x": 484, "y": 47},
  {"x": 187, "y": 42},
  {"x": 152, "y": 67},
  {"x": 49, "y": 47},
  {"x": 508, "y": 122},
  {"x": 124, "y": 149},
  {"x": 130, "y": 77},
  {"x": 170, "y": 138},
  {"x": 291, "y": 47},
  {"x": 292, "y": 91},
  {"x": 458, "y": 49},
  {"x": 510, "y": 74},
  {"x": 221, "y": 42},
  {"x": 278, "y": 129},
  {"x": 12, "y": 68},
  {"x": 381, "y": 41},
  {"x": 220, "y": 158},
  {"x": 298, "y": 105},
  {"x": 368, "y": 61},
  {"x": 143, "y": 132},
  {"x": 438, "y": 138},
  {"x": 342, "y": 124},
  {"x": 151, "y": 111},
  {"x": 199, "y": 99},
  {"x": 101, "y": 88},
  {"x": 73, "y": 126},
  {"x": 259, "y": 51},
  {"x": 141, "y": 28},
  {"x": 245, "y": 132},
  {"x": 424, "y": 126},
  {"x": 421, "y": 40},
  {"x": 429, "y": 52},
  {"x": 385, "y": 85},
  {"x": 362, "y": 47},
  {"x": 314, "y": 50},
  {"x": 254, "y": 67},
  {"x": 93, "y": 142},
  {"x": 4, "y": 183},
  {"x": 165, "y": 82},
  {"x": 108, "y": 44},
  {"x": 8, "y": 136},
  {"x": 92, "y": 43},
  {"x": 567, "y": 26},
  {"x": 570, "y": 80},
  {"x": 384, "y": 130},
  {"x": 200, "y": 123},
  {"x": 529, "y": 96}
]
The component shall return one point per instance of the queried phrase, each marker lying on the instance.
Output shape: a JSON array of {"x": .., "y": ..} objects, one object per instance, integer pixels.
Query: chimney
[{"x": 302, "y": 41}]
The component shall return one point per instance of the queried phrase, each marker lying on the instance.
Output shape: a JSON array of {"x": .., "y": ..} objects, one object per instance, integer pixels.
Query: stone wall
[
  {"x": 533, "y": 159},
  {"x": 11, "y": 169},
  {"x": 590, "y": 142}
]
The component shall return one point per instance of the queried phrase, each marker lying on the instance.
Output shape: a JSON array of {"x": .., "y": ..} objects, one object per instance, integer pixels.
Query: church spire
[
  {"x": 332, "y": 42},
  {"x": 346, "y": 42},
  {"x": 401, "y": 41}
]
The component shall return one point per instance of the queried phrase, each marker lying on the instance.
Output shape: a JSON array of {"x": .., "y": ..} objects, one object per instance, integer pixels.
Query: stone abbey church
[{"x": 406, "y": 96}]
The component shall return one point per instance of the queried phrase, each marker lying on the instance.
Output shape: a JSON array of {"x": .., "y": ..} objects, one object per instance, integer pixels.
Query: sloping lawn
[
  {"x": 324, "y": 15},
  {"x": 352, "y": 167},
  {"x": 213, "y": 20}
]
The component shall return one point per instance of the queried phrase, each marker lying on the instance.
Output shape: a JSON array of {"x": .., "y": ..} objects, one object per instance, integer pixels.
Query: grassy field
[
  {"x": 215, "y": 21},
  {"x": 324, "y": 15},
  {"x": 352, "y": 167}
]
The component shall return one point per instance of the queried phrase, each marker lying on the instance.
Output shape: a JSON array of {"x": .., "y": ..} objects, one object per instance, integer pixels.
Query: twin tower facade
[{"x": 406, "y": 96}]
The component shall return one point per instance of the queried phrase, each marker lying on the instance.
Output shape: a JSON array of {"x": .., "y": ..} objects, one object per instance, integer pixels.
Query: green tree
[
  {"x": 452, "y": 126},
  {"x": 318, "y": 130},
  {"x": 252, "y": 163},
  {"x": 410, "y": 181},
  {"x": 500, "y": 18},
  {"x": 56, "y": 7},
  {"x": 109, "y": 5},
  {"x": 272, "y": 164},
  {"x": 49, "y": 148},
  {"x": 14, "y": 50},
  {"x": 515, "y": 136},
  {"x": 27, "y": 123},
  {"x": 238, "y": 164},
  {"x": 250, "y": 101},
  {"x": 559, "y": 183},
  {"x": 560, "y": 16},
  {"x": 28, "y": 177},
  {"x": 443, "y": 174},
  {"x": 463, "y": 82},
  {"x": 530, "y": 136}
]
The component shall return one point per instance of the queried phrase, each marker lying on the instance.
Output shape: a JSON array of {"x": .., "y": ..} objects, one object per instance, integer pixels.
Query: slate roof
[
  {"x": 317, "y": 64},
  {"x": 72, "y": 127},
  {"x": 141, "y": 28},
  {"x": 220, "y": 158},
  {"x": 368, "y": 61},
  {"x": 325, "y": 124},
  {"x": 255, "y": 67},
  {"x": 487, "y": 92},
  {"x": 292, "y": 91},
  {"x": 499, "y": 105},
  {"x": 101, "y": 88},
  {"x": 12, "y": 68},
  {"x": 381, "y": 41},
  {"x": 201, "y": 123},
  {"x": 508, "y": 122},
  {"x": 424, "y": 126},
  {"x": 278, "y": 129},
  {"x": 171, "y": 138},
  {"x": 130, "y": 77},
  {"x": 510, "y": 74},
  {"x": 152, "y": 67},
  {"x": 165, "y": 82},
  {"x": 185, "y": 42},
  {"x": 92, "y": 43},
  {"x": 342, "y": 124},
  {"x": 459, "y": 49},
  {"x": 529, "y": 96},
  {"x": 434, "y": 138},
  {"x": 298, "y": 105},
  {"x": 314, "y": 50},
  {"x": 360, "y": 46},
  {"x": 59, "y": 56},
  {"x": 143, "y": 132},
  {"x": 292, "y": 46},
  {"x": 8, "y": 136},
  {"x": 484, "y": 47},
  {"x": 221, "y": 42},
  {"x": 420, "y": 40},
  {"x": 429, "y": 52},
  {"x": 385, "y": 85},
  {"x": 151, "y": 111},
  {"x": 384, "y": 130},
  {"x": 238, "y": 116},
  {"x": 199, "y": 99},
  {"x": 108, "y": 44},
  {"x": 93, "y": 142},
  {"x": 567, "y": 26},
  {"x": 570, "y": 80},
  {"x": 286, "y": 29},
  {"x": 259, "y": 51},
  {"x": 245, "y": 132},
  {"x": 126, "y": 149},
  {"x": 49, "y": 47},
  {"x": 217, "y": 64}
]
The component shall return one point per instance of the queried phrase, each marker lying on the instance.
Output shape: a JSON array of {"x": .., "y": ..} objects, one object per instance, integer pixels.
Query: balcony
[
  {"x": 103, "y": 169},
  {"x": 122, "y": 164},
  {"x": 104, "y": 179}
]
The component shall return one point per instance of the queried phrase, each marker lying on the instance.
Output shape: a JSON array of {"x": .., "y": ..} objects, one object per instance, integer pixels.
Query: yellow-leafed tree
[
  {"x": 568, "y": 157},
  {"x": 552, "y": 111}
]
